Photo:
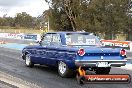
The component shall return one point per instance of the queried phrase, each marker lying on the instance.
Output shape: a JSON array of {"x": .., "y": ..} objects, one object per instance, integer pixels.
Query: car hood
[{"x": 32, "y": 47}]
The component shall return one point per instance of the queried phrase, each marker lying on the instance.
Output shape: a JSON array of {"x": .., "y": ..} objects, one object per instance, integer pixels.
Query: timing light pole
[{"x": 48, "y": 24}]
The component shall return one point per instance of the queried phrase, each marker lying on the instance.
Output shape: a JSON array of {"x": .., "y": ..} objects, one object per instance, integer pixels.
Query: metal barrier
[{"x": 33, "y": 37}]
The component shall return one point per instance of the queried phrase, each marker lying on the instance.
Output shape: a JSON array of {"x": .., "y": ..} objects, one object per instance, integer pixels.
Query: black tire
[
  {"x": 80, "y": 79},
  {"x": 66, "y": 72},
  {"x": 28, "y": 61},
  {"x": 103, "y": 70}
]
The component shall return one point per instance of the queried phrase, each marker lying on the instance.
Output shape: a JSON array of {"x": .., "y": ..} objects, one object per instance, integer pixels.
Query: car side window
[
  {"x": 46, "y": 40},
  {"x": 56, "y": 40}
]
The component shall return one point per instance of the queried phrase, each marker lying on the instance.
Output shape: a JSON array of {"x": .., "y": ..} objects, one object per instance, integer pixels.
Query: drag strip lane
[
  {"x": 20, "y": 41},
  {"x": 15, "y": 82},
  {"x": 44, "y": 77},
  {"x": 6, "y": 85}
]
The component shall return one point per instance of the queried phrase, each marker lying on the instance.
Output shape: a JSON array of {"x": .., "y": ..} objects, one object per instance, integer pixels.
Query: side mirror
[{"x": 39, "y": 42}]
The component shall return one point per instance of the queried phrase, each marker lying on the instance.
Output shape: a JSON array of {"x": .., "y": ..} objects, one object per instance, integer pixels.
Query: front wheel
[
  {"x": 102, "y": 70},
  {"x": 63, "y": 70},
  {"x": 28, "y": 61}
]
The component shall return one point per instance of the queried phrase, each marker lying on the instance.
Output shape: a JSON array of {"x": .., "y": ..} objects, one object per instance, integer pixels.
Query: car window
[
  {"x": 82, "y": 39},
  {"x": 46, "y": 40},
  {"x": 56, "y": 41}
]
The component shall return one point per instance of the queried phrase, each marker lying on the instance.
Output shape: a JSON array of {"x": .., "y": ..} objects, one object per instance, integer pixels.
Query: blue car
[{"x": 69, "y": 50}]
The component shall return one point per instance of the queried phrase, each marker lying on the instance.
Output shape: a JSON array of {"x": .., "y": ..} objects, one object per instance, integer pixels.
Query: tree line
[
  {"x": 97, "y": 16},
  {"x": 21, "y": 20}
]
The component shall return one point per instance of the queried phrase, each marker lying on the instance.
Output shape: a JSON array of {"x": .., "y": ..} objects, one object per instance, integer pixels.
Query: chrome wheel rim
[
  {"x": 62, "y": 67},
  {"x": 28, "y": 61}
]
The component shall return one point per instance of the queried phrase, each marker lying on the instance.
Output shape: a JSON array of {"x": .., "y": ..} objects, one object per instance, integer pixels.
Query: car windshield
[{"x": 82, "y": 39}]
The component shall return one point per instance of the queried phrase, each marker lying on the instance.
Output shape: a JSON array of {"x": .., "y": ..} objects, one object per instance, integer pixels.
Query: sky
[{"x": 32, "y": 7}]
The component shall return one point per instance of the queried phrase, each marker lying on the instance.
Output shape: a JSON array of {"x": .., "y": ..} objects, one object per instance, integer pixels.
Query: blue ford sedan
[{"x": 69, "y": 50}]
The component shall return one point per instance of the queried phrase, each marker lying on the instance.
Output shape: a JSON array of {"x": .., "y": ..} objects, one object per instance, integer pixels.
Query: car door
[
  {"x": 52, "y": 49},
  {"x": 41, "y": 51}
]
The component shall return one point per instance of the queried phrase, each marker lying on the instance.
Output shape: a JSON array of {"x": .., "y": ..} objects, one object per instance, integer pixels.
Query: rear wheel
[
  {"x": 63, "y": 70},
  {"x": 28, "y": 61},
  {"x": 103, "y": 70}
]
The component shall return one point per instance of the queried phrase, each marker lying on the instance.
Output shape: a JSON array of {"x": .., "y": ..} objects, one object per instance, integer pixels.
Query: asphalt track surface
[
  {"x": 9, "y": 40},
  {"x": 45, "y": 77},
  {"x": 12, "y": 67}
]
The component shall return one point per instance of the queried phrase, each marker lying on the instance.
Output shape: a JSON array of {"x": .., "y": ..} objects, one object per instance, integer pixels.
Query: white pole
[
  {"x": 130, "y": 46},
  {"x": 48, "y": 24}
]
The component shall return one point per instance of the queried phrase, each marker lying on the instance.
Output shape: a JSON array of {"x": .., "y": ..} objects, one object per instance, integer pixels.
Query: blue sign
[{"x": 30, "y": 36}]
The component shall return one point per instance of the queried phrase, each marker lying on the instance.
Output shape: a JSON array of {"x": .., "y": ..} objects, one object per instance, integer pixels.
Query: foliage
[
  {"x": 21, "y": 20},
  {"x": 98, "y": 16}
]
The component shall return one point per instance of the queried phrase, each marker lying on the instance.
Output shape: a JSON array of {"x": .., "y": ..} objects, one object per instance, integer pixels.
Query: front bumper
[{"x": 93, "y": 63}]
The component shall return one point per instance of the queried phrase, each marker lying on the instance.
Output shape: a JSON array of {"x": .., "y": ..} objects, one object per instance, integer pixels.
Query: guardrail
[{"x": 33, "y": 37}]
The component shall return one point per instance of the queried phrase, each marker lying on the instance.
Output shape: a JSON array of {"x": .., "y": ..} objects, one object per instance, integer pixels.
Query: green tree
[
  {"x": 24, "y": 20},
  {"x": 98, "y": 16}
]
